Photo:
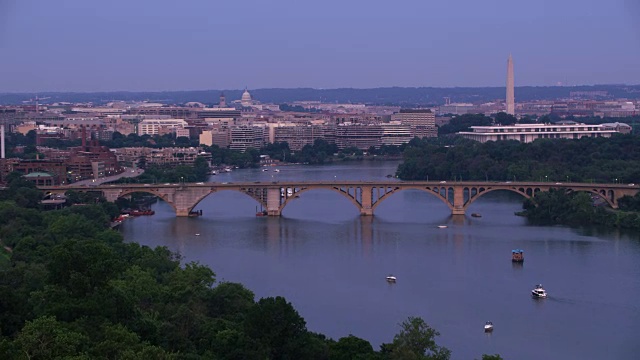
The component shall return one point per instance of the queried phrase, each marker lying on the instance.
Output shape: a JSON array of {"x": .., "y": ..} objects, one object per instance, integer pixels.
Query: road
[{"x": 128, "y": 172}]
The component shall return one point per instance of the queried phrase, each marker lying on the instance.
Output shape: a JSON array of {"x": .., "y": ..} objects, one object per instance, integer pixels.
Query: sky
[{"x": 158, "y": 45}]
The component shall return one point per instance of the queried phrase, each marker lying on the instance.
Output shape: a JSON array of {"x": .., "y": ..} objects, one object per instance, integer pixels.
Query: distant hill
[{"x": 402, "y": 96}]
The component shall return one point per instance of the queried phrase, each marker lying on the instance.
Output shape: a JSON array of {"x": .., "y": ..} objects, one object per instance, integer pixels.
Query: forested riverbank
[
  {"x": 598, "y": 160},
  {"x": 74, "y": 289}
]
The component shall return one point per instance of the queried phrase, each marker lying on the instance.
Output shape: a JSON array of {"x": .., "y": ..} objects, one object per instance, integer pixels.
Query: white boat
[
  {"x": 391, "y": 279},
  {"x": 488, "y": 326},
  {"x": 265, "y": 169},
  {"x": 197, "y": 234},
  {"x": 442, "y": 226},
  {"x": 539, "y": 292},
  {"x": 276, "y": 170}
]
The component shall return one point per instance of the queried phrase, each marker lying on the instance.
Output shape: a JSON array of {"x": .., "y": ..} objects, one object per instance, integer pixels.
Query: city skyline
[{"x": 157, "y": 46}]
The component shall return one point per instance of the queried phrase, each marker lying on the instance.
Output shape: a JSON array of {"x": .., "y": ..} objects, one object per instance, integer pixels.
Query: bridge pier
[
  {"x": 273, "y": 202},
  {"x": 458, "y": 201},
  {"x": 366, "y": 206}
]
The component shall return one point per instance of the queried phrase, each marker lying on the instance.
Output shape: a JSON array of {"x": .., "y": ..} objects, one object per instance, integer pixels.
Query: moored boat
[
  {"x": 488, "y": 326},
  {"x": 539, "y": 292}
]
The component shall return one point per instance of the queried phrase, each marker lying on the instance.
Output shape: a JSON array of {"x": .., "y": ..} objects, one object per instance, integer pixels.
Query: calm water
[{"x": 331, "y": 264}]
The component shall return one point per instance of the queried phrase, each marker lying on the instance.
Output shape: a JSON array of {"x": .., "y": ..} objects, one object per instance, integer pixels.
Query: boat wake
[{"x": 570, "y": 301}]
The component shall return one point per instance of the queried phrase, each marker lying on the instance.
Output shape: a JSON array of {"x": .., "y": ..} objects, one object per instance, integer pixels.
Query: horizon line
[{"x": 306, "y": 88}]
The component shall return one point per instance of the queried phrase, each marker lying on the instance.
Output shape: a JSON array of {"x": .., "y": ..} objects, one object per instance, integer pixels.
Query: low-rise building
[{"x": 530, "y": 132}]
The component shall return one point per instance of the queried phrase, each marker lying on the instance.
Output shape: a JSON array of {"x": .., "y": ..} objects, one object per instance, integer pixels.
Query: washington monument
[{"x": 511, "y": 102}]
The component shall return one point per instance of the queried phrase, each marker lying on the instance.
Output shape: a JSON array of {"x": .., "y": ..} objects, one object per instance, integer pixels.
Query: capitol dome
[{"x": 246, "y": 98}]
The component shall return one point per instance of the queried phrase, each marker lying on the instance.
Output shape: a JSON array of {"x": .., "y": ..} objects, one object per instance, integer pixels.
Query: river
[{"x": 331, "y": 264}]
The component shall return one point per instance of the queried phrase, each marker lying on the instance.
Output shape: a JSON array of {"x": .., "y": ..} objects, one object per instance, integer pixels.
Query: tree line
[{"x": 598, "y": 160}]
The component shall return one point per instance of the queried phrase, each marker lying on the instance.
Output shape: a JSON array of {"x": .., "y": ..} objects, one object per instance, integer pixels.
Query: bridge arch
[
  {"x": 487, "y": 190},
  {"x": 435, "y": 191},
  {"x": 297, "y": 192},
  {"x": 199, "y": 199},
  {"x": 608, "y": 197},
  {"x": 153, "y": 192}
]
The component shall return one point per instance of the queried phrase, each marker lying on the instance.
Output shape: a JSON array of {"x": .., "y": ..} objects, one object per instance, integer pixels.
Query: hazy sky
[{"x": 99, "y": 45}]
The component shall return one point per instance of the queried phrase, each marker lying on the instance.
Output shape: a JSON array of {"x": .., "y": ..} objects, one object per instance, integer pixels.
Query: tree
[
  {"x": 416, "y": 340},
  {"x": 351, "y": 348},
  {"x": 492, "y": 357},
  {"x": 503, "y": 118},
  {"x": 275, "y": 324},
  {"x": 46, "y": 338}
]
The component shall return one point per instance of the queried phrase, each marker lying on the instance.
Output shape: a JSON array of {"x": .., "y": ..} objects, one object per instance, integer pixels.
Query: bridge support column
[
  {"x": 182, "y": 212},
  {"x": 458, "y": 201},
  {"x": 367, "y": 196},
  {"x": 273, "y": 202}
]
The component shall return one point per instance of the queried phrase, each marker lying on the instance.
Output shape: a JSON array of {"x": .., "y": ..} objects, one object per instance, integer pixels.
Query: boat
[
  {"x": 391, "y": 279},
  {"x": 261, "y": 213},
  {"x": 517, "y": 255},
  {"x": 142, "y": 212},
  {"x": 276, "y": 170},
  {"x": 488, "y": 326},
  {"x": 195, "y": 213},
  {"x": 442, "y": 226},
  {"x": 539, "y": 292},
  {"x": 265, "y": 169},
  {"x": 476, "y": 215},
  {"x": 197, "y": 234}
]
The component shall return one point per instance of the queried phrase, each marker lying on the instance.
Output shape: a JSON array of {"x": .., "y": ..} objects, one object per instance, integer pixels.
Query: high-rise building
[
  {"x": 511, "y": 102},
  {"x": 421, "y": 121}
]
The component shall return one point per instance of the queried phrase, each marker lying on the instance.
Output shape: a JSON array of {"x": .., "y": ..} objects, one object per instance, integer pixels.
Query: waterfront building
[
  {"x": 358, "y": 135},
  {"x": 396, "y": 134},
  {"x": 297, "y": 136},
  {"x": 530, "y": 132},
  {"x": 421, "y": 121},
  {"x": 243, "y": 137}
]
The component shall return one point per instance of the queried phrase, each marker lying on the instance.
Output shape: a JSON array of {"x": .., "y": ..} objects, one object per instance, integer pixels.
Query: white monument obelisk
[{"x": 511, "y": 101}]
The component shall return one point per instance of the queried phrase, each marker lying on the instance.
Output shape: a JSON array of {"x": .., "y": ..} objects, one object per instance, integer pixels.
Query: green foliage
[
  {"x": 73, "y": 289},
  {"x": 416, "y": 340},
  {"x": 559, "y": 160},
  {"x": 463, "y": 123},
  {"x": 351, "y": 348},
  {"x": 491, "y": 357},
  {"x": 576, "y": 209}
]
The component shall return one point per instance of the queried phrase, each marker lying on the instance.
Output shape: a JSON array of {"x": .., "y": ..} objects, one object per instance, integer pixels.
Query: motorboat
[
  {"x": 476, "y": 215},
  {"x": 517, "y": 256},
  {"x": 276, "y": 170},
  {"x": 488, "y": 326},
  {"x": 197, "y": 234},
  {"x": 539, "y": 292},
  {"x": 391, "y": 279},
  {"x": 442, "y": 226},
  {"x": 265, "y": 169}
]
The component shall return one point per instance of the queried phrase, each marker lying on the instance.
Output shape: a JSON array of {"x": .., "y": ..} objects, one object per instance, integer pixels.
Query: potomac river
[{"x": 331, "y": 264}]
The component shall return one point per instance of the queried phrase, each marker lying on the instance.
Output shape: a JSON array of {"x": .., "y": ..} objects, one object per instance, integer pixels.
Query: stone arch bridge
[{"x": 364, "y": 195}]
